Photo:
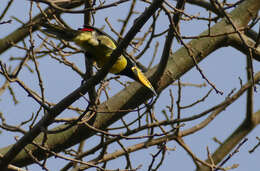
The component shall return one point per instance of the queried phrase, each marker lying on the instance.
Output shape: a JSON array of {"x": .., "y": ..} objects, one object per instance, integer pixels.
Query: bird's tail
[{"x": 59, "y": 32}]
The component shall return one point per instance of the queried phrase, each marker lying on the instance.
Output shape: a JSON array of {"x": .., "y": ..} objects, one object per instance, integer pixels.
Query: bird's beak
[{"x": 142, "y": 79}]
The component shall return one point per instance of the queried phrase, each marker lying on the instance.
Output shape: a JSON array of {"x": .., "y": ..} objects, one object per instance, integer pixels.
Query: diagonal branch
[
  {"x": 67, "y": 101},
  {"x": 134, "y": 95},
  {"x": 22, "y": 32}
]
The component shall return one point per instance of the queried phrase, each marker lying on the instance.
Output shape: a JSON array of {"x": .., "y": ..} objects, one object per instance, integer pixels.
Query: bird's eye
[{"x": 134, "y": 70}]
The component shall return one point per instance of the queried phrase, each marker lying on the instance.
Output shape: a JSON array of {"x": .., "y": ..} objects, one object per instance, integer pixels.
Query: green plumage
[{"x": 100, "y": 46}]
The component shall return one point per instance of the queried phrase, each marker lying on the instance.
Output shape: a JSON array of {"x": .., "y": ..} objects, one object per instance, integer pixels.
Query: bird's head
[{"x": 88, "y": 35}]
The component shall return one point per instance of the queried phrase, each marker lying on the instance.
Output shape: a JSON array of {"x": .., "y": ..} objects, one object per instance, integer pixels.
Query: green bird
[{"x": 99, "y": 46}]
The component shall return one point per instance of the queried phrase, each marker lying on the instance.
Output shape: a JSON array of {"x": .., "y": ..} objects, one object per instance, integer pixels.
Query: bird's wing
[{"x": 106, "y": 42}]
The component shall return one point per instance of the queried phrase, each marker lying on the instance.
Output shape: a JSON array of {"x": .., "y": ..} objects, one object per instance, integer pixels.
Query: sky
[{"x": 224, "y": 67}]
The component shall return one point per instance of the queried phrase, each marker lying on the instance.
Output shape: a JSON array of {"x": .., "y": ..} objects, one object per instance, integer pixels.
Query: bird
[{"x": 99, "y": 46}]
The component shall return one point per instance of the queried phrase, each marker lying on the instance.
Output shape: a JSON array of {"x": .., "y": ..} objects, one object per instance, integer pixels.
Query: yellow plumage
[
  {"x": 99, "y": 46},
  {"x": 100, "y": 49}
]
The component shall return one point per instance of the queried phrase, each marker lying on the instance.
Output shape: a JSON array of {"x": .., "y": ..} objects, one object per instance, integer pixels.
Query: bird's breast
[
  {"x": 101, "y": 55},
  {"x": 119, "y": 66}
]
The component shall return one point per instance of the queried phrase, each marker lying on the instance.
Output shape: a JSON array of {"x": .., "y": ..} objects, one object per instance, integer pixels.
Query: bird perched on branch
[{"x": 99, "y": 46}]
